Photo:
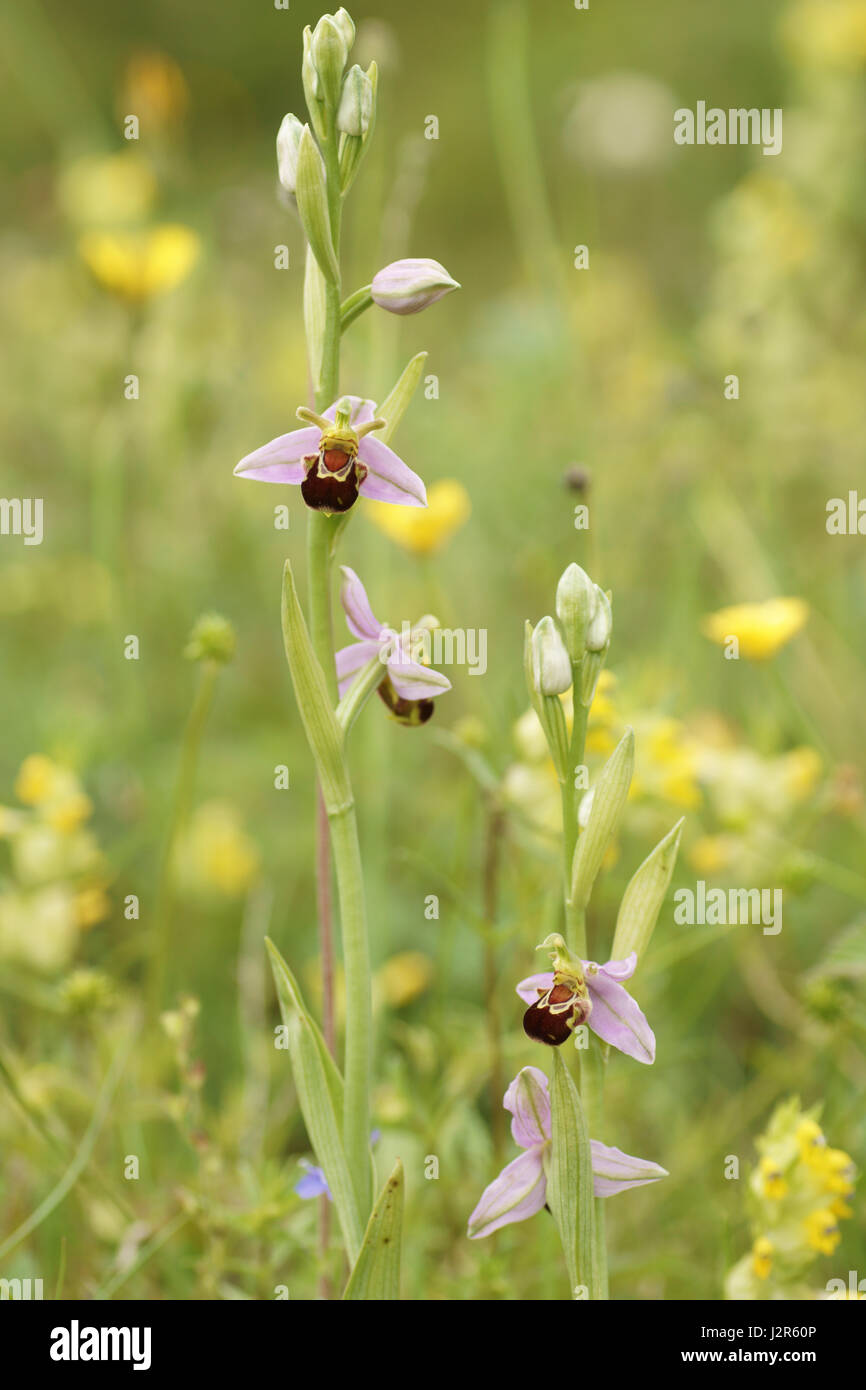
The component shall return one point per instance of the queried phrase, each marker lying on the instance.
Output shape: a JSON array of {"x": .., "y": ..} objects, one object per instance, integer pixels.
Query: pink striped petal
[
  {"x": 519, "y": 1191},
  {"x": 360, "y": 618},
  {"x": 350, "y": 660},
  {"x": 389, "y": 479},
  {"x": 617, "y": 1018},
  {"x": 281, "y": 461},
  {"x": 614, "y": 1171},
  {"x": 413, "y": 681},
  {"x": 528, "y": 1100},
  {"x": 362, "y": 411},
  {"x": 528, "y": 989}
]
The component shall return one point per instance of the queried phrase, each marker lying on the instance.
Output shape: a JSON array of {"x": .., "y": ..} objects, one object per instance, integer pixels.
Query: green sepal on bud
[
  {"x": 312, "y": 87},
  {"x": 312, "y": 195},
  {"x": 597, "y": 640},
  {"x": 212, "y": 639},
  {"x": 643, "y": 898},
  {"x": 608, "y": 803},
  {"x": 549, "y": 709},
  {"x": 353, "y": 145},
  {"x": 355, "y": 111},
  {"x": 576, "y": 602},
  {"x": 329, "y": 48}
]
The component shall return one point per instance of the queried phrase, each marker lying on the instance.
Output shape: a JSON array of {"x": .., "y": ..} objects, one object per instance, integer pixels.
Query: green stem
[
  {"x": 575, "y": 920},
  {"x": 359, "y": 1021},
  {"x": 353, "y": 307},
  {"x": 179, "y": 812},
  {"x": 592, "y": 1077},
  {"x": 368, "y": 679}
]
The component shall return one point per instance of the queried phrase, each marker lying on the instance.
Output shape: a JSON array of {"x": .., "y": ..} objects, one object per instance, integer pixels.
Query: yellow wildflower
[
  {"x": 762, "y": 1257},
  {"x": 68, "y": 813},
  {"x": 404, "y": 977},
  {"x": 107, "y": 190},
  {"x": 836, "y": 1171},
  {"x": 800, "y": 770},
  {"x": 761, "y": 629},
  {"x": 810, "y": 1138},
  {"x": 154, "y": 89},
  {"x": 773, "y": 1185},
  {"x": 137, "y": 265},
  {"x": 711, "y": 854},
  {"x": 826, "y": 33},
  {"x": 92, "y": 905},
  {"x": 822, "y": 1232},
  {"x": 216, "y": 852},
  {"x": 38, "y": 780},
  {"x": 423, "y": 530}
]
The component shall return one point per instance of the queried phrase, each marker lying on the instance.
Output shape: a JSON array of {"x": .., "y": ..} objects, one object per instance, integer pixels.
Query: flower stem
[
  {"x": 575, "y": 920},
  {"x": 183, "y": 792}
]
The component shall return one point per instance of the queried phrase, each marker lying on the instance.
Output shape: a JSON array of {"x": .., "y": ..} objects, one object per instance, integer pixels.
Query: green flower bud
[
  {"x": 346, "y": 26},
  {"x": 329, "y": 51},
  {"x": 312, "y": 195},
  {"x": 551, "y": 665},
  {"x": 548, "y": 707},
  {"x": 356, "y": 103},
  {"x": 600, "y": 625},
  {"x": 576, "y": 604},
  {"x": 288, "y": 144},
  {"x": 212, "y": 639}
]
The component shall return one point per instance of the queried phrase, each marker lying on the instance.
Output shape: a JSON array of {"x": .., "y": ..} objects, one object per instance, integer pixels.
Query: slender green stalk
[
  {"x": 575, "y": 920},
  {"x": 359, "y": 1021},
  {"x": 182, "y": 800}
]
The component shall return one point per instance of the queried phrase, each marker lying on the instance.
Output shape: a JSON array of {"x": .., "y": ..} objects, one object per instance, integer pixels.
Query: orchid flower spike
[
  {"x": 333, "y": 459},
  {"x": 408, "y": 686},
  {"x": 579, "y": 991},
  {"x": 520, "y": 1190}
]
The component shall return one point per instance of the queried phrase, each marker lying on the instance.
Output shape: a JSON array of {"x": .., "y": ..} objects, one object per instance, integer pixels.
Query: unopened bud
[
  {"x": 407, "y": 287},
  {"x": 551, "y": 664},
  {"x": 576, "y": 603},
  {"x": 599, "y": 629},
  {"x": 288, "y": 144},
  {"x": 212, "y": 639},
  {"x": 329, "y": 51},
  {"x": 356, "y": 103}
]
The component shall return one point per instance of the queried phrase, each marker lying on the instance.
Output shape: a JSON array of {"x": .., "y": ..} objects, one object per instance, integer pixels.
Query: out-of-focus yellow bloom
[
  {"x": 39, "y": 780},
  {"x": 603, "y": 717},
  {"x": 138, "y": 265},
  {"x": 69, "y": 813},
  {"x": 800, "y": 769},
  {"x": 762, "y": 1257},
  {"x": 826, "y": 33},
  {"x": 712, "y": 853},
  {"x": 92, "y": 905},
  {"x": 811, "y": 1141},
  {"x": 216, "y": 852},
  {"x": 404, "y": 977},
  {"x": 761, "y": 629},
  {"x": 822, "y": 1232},
  {"x": 423, "y": 530},
  {"x": 107, "y": 190},
  {"x": 86, "y": 991},
  {"x": 154, "y": 89},
  {"x": 773, "y": 1183},
  {"x": 835, "y": 1169}
]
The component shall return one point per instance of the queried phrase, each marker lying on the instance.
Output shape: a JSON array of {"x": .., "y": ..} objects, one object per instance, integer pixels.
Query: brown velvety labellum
[
  {"x": 552, "y": 1019},
  {"x": 408, "y": 712},
  {"x": 326, "y": 490}
]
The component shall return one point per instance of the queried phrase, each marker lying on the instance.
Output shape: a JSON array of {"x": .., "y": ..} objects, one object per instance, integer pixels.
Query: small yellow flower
[
  {"x": 761, "y": 629},
  {"x": 762, "y": 1257},
  {"x": 37, "y": 780},
  {"x": 711, "y": 854},
  {"x": 69, "y": 813},
  {"x": 810, "y": 1138},
  {"x": 801, "y": 769},
  {"x": 404, "y": 977},
  {"x": 841, "y": 1210},
  {"x": 423, "y": 530},
  {"x": 216, "y": 852},
  {"x": 836, "y": 1171},
  {"x": 826, "y": 33},
  {"x": 107, "y": 190},
  {"x": 154, "y": 89},
  {"x": 773, "y": 1185},
  {"x": 137, "y": 265},
  {"x": 92, "y": 905},
  {"x": 822, "y": 1232}
]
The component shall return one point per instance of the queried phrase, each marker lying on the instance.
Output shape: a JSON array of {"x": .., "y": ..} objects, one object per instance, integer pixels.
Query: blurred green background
[{"x": 554, "y": 130}]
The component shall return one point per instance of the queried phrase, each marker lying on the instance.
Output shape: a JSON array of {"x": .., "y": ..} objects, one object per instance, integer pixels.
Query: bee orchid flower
[
  {"x": 580, "y": 991},
  {"x": 408, "y": 687},
  {"x": 334, "y": 459},
  {"x": 520, "y": 1190}
]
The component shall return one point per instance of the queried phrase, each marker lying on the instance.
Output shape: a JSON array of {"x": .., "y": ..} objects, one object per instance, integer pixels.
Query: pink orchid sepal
[
  {"x": 581, "y": 991},
  {"x": 407, "y": 687},
  {"x": 520, "y": 1190},
  {"x": 334, "y": 459}
]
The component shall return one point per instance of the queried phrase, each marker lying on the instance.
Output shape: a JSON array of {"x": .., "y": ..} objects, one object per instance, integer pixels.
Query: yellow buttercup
[{"x": 424, "y": 530}]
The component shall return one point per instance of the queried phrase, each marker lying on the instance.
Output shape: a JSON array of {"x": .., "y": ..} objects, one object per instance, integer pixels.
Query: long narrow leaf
[{"x": 376, "y": 1274}]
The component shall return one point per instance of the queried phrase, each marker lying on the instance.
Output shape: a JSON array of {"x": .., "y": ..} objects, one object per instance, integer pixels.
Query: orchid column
[{"x": 341, "y": 453}]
